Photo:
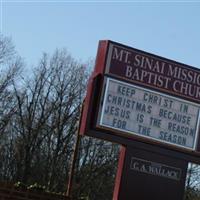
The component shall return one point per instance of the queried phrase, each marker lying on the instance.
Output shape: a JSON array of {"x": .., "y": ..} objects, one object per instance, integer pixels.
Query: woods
[
  {"x": 39, "y": 120},
  {"x": 39, "y": 115}
]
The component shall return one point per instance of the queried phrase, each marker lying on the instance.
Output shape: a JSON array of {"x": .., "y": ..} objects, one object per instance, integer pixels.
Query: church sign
[
  {"x": 151, "y": 106},
  {"x": 142, "y": 97}
]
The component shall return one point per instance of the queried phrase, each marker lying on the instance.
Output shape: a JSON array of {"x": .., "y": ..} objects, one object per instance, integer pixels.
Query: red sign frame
[{"x": 95, "y": 85}]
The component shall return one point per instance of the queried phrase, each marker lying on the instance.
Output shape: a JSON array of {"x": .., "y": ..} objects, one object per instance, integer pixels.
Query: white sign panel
[{"x": 137, "y": 111}]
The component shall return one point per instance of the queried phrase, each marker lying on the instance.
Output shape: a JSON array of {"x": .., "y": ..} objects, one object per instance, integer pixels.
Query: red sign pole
[{"x": 119, "y": 172}]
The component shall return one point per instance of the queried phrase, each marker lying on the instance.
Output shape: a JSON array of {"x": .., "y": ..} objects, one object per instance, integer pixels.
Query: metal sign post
[{"x": 146, "y": 175}]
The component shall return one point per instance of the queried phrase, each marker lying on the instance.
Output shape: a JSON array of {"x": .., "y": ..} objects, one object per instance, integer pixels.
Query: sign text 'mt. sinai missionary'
[
  {"x": 132, "y": 110},
  {"x": 153, "y": 71}
]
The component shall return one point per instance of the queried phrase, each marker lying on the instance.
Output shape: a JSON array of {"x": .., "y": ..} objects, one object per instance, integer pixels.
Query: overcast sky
[{"x": 167, "y": 28}]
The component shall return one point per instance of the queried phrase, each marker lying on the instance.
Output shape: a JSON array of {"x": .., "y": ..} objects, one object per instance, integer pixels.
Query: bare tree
[
  {"x": 48, "y": 110},
  {"x": 192, "y": 188},
  {"x": 96, "y": 169},
  {"x": 7, "y": 49},
  {"x": 10, "y": 69},
  {"x": 38, "y": 120}
]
